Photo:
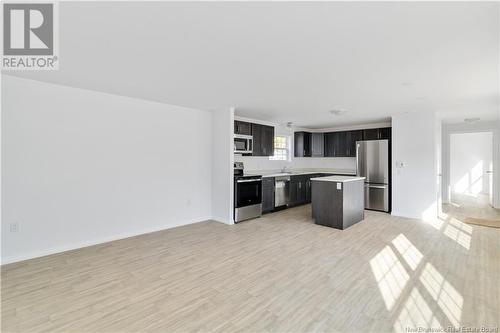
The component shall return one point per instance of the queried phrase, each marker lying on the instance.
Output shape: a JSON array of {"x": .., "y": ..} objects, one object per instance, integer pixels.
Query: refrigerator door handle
[
  {"x": 357, "y": 160},
  {"x": 376, "y": 186}
]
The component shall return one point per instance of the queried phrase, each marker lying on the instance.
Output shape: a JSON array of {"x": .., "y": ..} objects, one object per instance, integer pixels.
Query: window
[{"x": 280, "y": 149}]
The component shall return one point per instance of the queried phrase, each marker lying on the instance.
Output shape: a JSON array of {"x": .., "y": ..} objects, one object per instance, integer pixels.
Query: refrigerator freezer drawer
[{"x": 377, "y": 197}]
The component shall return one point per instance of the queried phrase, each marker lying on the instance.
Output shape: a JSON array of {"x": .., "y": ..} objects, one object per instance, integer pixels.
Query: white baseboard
[
  {"x": 79, "y": 245},
  {"x": 408, "y": 216},
  {"x": 222, "y": 220}
]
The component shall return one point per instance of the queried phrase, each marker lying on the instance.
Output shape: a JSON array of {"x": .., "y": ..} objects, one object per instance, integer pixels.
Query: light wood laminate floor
[{"x": 276, "y": 273}]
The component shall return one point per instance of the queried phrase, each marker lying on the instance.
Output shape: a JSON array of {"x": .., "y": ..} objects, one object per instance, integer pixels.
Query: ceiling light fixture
[
  {"x": 472, "y": 120},
  {"x": 338, "y": 112}
]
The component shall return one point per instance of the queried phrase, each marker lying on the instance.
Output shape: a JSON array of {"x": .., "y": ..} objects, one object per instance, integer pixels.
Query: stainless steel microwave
[{"x": 243, "y": 144}]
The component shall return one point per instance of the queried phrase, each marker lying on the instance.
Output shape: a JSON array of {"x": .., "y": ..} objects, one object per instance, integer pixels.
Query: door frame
[{"x": 479, "y": 127}]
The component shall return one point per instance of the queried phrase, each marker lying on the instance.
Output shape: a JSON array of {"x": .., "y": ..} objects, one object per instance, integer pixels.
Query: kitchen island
[{"x": 337, "y": 201}]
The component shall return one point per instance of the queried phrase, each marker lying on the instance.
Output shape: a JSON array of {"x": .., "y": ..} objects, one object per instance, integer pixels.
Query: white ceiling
[{"x": 288, "y": 61}]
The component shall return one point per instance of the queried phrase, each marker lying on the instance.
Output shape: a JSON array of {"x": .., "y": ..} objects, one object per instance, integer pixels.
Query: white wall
[
  {"x": 470, "y": 158},
  {"x": 222, "y": 166},
  {"x": 328, "y": 163},
  {"x": 81, "y": 167},
  {"x": 415, "y": 143}
]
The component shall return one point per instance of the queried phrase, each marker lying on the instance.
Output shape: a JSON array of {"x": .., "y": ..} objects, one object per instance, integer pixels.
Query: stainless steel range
[{"x": 247, "y": 194}]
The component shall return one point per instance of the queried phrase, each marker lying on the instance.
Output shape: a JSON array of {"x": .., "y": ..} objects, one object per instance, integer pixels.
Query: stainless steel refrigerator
[{"x": 372, "y": 162}]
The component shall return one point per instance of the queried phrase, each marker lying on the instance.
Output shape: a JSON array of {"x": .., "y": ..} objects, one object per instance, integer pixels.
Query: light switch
[{"x": 400, "y": 164}]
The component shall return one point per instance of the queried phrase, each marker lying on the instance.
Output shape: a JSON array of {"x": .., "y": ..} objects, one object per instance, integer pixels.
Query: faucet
[{"x": 283, "y": 169}]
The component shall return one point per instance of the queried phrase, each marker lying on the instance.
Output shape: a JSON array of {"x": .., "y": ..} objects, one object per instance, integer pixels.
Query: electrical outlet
[{"x": 14, "y": 227}]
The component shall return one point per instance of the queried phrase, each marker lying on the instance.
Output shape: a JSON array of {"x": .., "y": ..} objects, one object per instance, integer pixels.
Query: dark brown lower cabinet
[
  {"x": 300, "y": 189},
  {"x": 267, "y": 194}
]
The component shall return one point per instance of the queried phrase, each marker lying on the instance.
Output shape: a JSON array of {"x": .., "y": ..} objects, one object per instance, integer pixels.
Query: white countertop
[
  {"x": 338, "y": 179},
  {"x": 297, "y": 172}
]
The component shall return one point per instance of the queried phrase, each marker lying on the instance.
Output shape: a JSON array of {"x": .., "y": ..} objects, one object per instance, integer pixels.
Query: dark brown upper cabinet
[
  {"x": 268, "y": 140},
  {"x": 317, "y": 145},
  {"x": 335, "y": 144},
  {"x": 342, "y": 144},
  {"x": 352, "y": 137},
  {"x": 242, "y": 127},
  {"x": 329, "y": 144},
  {"x": 377, "y": 133},
  {"x": 263, "y": 140},
  {"x": 302, "y": 144}
]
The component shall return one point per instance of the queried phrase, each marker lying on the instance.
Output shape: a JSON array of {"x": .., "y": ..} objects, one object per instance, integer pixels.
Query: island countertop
[{"x": 338, "y": 179}]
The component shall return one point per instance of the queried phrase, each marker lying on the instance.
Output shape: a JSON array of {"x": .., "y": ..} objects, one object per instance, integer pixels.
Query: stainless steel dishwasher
[{"x": 281, "y": 191}]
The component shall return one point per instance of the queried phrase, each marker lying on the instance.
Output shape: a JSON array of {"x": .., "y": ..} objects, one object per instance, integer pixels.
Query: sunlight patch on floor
[
  {"x": 435, "y": 223},
  {"x": 415, "y": 313},
  {"x": 437, "y": 220},
  {"x": 459, "y": 232},
  {"x": 409, "y": 252},
  {"x": 390, "y": 275},
  {"x": 461, "y": 226},
  {"x": 447, "y": 297}
]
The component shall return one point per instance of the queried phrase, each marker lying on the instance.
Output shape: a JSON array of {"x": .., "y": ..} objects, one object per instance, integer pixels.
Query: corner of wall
[{"x": 222, "y": 165}]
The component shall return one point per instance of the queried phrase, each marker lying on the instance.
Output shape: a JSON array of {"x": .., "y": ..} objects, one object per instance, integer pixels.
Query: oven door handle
[{"x": 249, "y": 180}]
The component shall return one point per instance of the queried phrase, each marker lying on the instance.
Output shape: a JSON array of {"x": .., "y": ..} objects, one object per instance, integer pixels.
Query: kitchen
[{"x": 277, "y": 166}]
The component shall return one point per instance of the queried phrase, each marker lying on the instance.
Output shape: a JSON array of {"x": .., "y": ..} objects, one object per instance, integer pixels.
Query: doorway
[{"x": 471, "y": 171}]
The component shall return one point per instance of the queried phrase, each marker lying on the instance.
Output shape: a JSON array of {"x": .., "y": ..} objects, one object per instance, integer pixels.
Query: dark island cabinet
[
  {"x": 267, "y": 194},
  {"x": 263, "y": 140},
  {"x": 242, "y": 127}
]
